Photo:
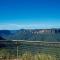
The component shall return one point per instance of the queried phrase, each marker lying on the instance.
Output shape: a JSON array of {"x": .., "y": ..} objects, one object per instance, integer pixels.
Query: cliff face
[{"x": 41, "y": 31}]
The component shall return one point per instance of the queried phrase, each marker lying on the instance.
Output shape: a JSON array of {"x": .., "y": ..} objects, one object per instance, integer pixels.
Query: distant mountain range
[{"x": 31, "y": 34}]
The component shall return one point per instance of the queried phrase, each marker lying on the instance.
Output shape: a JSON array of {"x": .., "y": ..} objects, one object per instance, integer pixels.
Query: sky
[{"x": 31, "y": 14}]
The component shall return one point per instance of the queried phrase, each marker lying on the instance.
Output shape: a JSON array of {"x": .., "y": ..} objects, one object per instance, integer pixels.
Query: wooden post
[{"x": 17, "y": 51}]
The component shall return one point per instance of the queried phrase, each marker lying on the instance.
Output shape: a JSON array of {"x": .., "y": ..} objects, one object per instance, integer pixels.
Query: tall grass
[
  {"x": 26, "y": 56},
  {"x": 37, "y": 56}
]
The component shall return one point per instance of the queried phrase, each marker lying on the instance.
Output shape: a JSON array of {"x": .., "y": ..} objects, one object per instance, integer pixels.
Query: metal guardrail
[{"x": 18, "y": 42}]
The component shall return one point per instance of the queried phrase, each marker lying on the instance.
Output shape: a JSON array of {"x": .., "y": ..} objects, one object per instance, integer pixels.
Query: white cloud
[
  {"x": 25, "y": 26},
  {"x": 9, "y": 26}
]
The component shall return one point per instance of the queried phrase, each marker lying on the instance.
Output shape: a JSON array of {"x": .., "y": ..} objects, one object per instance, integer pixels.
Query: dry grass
[
  {"x": 4, "y": 55},
  {"x": 37, "y": 56}
]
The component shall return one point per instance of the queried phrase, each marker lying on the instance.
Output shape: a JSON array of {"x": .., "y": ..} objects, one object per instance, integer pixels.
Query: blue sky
[{"x": 16, "y": 14}]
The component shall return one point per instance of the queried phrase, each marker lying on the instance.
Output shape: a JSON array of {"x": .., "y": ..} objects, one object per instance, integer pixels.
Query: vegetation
[
  {"x": 4, "y": 54},
  {"x": 28, "y": 51},
  {"x": 37, "y": 56}
]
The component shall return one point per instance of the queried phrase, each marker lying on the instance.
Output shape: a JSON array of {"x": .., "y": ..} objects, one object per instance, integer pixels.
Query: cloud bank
[{"x": 25, "y": 26}]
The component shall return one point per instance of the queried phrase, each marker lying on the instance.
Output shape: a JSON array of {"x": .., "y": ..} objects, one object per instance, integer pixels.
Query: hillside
[{"x": 32, "y": 34}]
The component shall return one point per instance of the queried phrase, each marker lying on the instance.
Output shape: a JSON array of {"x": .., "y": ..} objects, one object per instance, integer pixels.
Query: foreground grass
[
  {"x": 29, "y": 56},
  {"x": 37, "y": 56},
  {"x": 5, "y": 55}
]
